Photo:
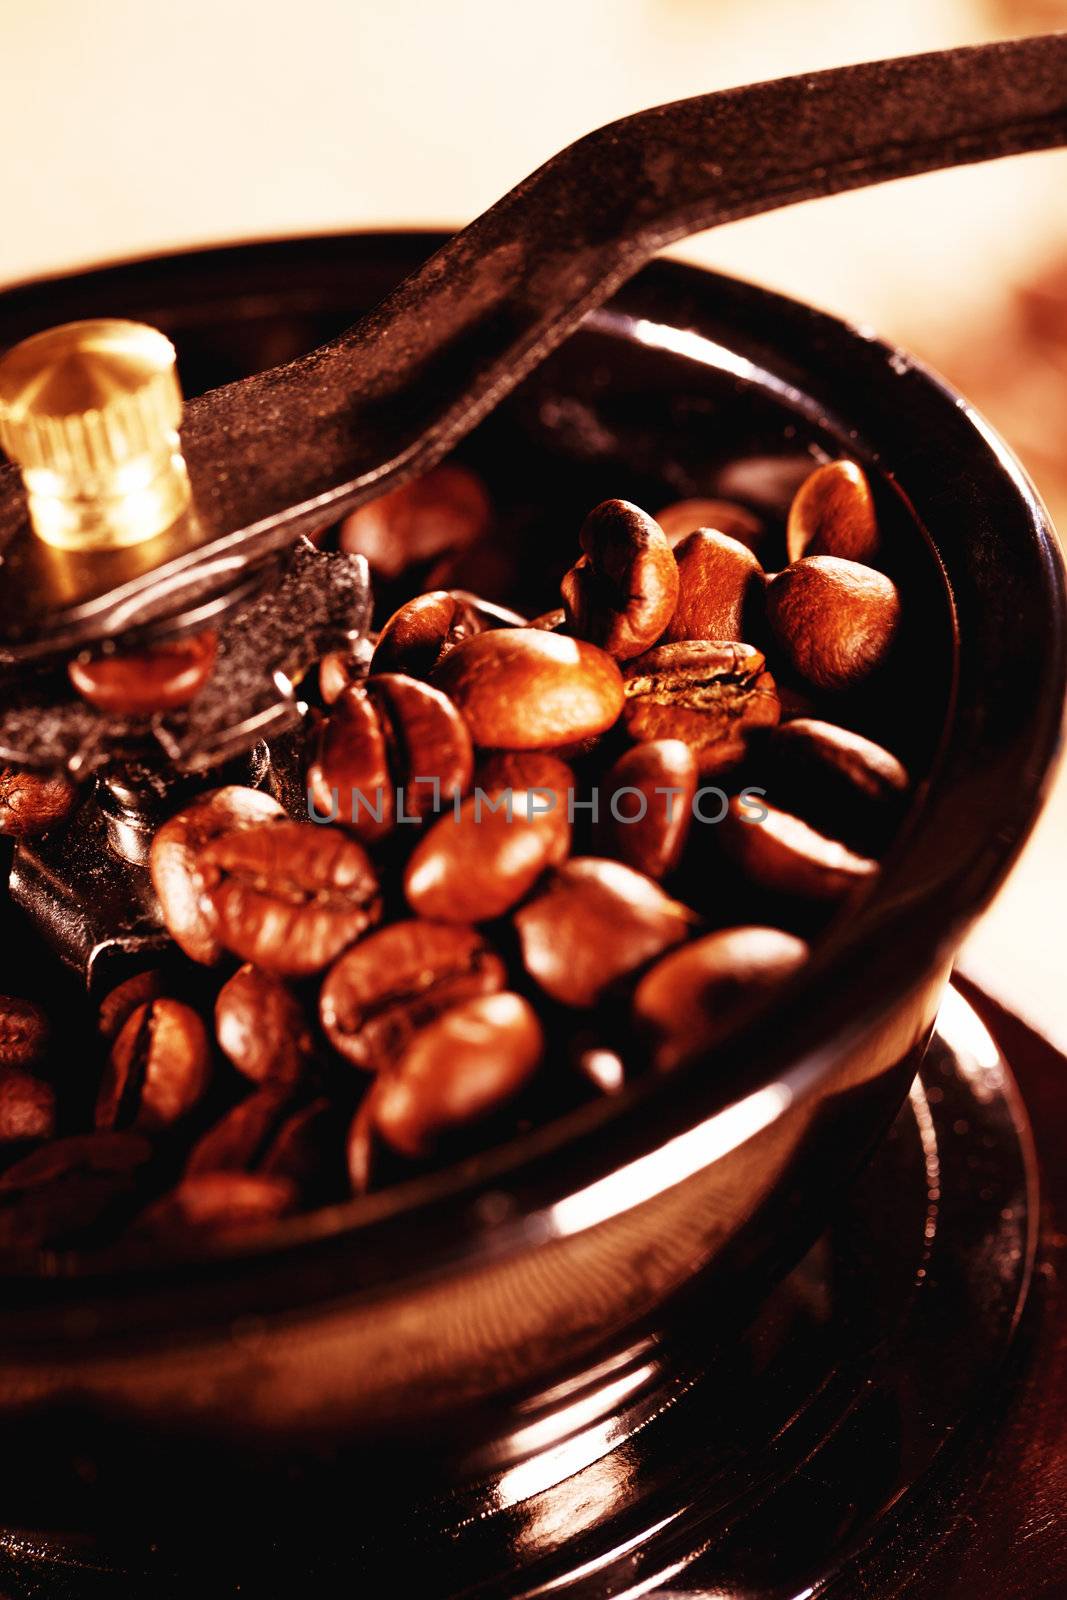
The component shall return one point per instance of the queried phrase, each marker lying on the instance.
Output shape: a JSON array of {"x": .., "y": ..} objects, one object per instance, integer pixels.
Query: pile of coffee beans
[{"x": 537, "y": 857}]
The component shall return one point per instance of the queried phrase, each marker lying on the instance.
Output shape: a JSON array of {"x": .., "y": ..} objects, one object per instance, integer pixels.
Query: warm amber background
[{"x": 131, "y": 126}]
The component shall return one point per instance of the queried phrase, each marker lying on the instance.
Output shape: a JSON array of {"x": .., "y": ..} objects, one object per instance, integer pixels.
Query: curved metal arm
[{"x": 300, "y": 444}]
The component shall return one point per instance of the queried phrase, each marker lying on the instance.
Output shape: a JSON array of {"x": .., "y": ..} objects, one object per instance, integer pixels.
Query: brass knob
[{"x": 90, "y": 413}]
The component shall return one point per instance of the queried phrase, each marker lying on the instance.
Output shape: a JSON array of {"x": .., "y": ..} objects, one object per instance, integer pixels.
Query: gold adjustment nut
[{"x": 90, "y": 412}]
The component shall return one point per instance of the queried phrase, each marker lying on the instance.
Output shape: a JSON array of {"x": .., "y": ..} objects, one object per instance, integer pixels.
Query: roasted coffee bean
[
  {"x": 783, "y": 854},
  {"x": 289, "y": 896},
  {"x": 360, "y": 1147},
  {"x": 459, "y": 1068},
  {"x": 426, "y": 738},
  {"x": 720, "y": 589},
  {"x": 33, "y": 802},
  {"x": 690, "y": 999},
  {"x": 596, "y": 922},
  {"x": 68, "y": 1186},
  {"x": 214, "y": 1205},
  {"x": 649, "y": 797},
  {"x": 392, "y": 734},
  {"x": 798, "y": 702},
  {"x": 27, "y": 1106},
  {"x": 349, "y": 779},
  {"x": 119, "y": 1005},
  {"x": 308, "y": 1149},
  {"x": 139, "y": 683},
  {"x": 523, "y": 689},
  {"x": 23, "y": 1032},
  {"x": 573, "y": 751},
  {"x": 834, "y": 621},
  {"x": 158, "y": 1068},
  {"x": 423, "y": 1007},
  {"x": 488, "y": 567},
  {"x": 477, "y": 865},
  {"x": 833, "y": 514},
  {"x": 340, "y": 669},
  {"x": 554, "y": 621},
  {"x": 423, "y": 631},
  {"x": 684, "y": 517},
  {"x": 837, "y": 780},
  {"x": 440, "y": 514},
  {"x": 526, "y": 769},
  {"x": 242, "y": 1139},
  {"x": 622, "y": 592},
  {"x": 261, "y": 1027},
  {"x": 268, "y": 1133},
  {"x": 490, "y": 613},
  {"x": 381, "y": 992},
  {"x": 766, "y": 483},
  {"x": 190, "y": 918},
  {"x": 710, "y": 695}
]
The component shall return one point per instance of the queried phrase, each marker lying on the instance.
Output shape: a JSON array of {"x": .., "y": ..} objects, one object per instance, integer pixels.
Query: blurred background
[{"x": 133, "y": 127}]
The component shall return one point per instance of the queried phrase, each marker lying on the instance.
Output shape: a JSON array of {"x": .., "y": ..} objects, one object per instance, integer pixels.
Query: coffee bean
[
  {"x": 833, "y": 514},
  {"x": 477, "y": 865},
  {"x": 68, "y": 1186},
  {"x": 488, "y": 567},
  {"x": 840, "y": 782},
  {"x": 215, "y": 1205},
  {"x": 23, "y": 1032},
  {"x": 439, "y": 514},
  {"x": 268, "y": 1133},
  {"x": 710, "y": 695},
  {"x": 33, "y": 802},
  {"x": 688, "y": 1001},
  {"x": 834, "y": 621},
  {"x": 554, "y": 621},
  {"x": 457, "y": 1069},
  {"x": 27, "y": 1106},
  {"x": 391, "y": 733},
  {"x": 139, "y": 683},
  {"x": 797, "y": 702},
  {"x": 720, "y": 589},
  {"x": 261, "y": 1027},
  {"x": 622, "y": 592},
  {"x": 426, "y": 738},
  {"x": 120, "y": 1004},
  {"x": 157, "y": 1071},
  {"x": 289, "y": 896},
  {"x": 423, "y": 631},
  {"x": 523, "y": 689},
  {"x": 308, "y": 1150},
  {"x": 527, "y": 769},
  {"x": 423, "y": 1006},
  {"x": 381, "y": 992},
  {"x": 360, "y": 1147},
  {"x": 784, "y": 855},
  {"x": 683, "y": 517},
  {"x": 648, "y": 829},
  {"x": 340, "y": 669},
  {"x": 596, "y": 922},
  {"x": 189, "y": 917},
  {"x": 490, "y": 613},
  {"x": 349, "y": 780},
  {"x": 575, "y": 750},
  {"x": 765, "y": 482}
]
